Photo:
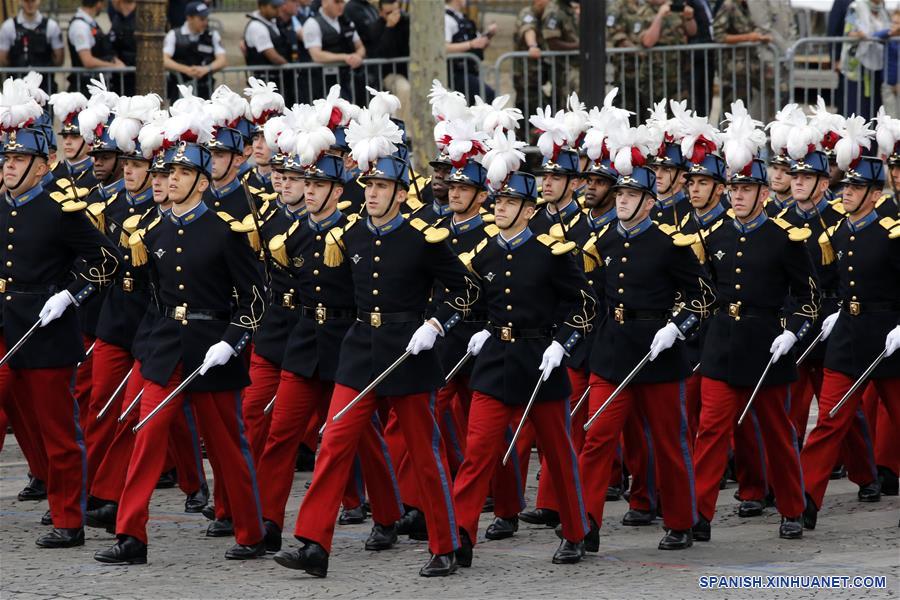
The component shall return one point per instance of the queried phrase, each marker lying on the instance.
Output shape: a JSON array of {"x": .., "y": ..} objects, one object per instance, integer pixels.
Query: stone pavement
[{"x": 851, "y": 539}]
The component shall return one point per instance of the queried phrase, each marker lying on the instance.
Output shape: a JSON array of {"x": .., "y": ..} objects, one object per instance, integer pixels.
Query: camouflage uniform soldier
[
  {"x": 559, "y": 26},
  {"x": 734, "y": 24},
  {"x": 646, "y": 78},
  {"x": 528, "y": 78}
]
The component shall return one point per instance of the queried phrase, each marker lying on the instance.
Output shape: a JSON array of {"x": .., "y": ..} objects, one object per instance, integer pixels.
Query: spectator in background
[
  {"x": 890, "y": 91},
  {"x": 31, "y": 39},
  {"x": 263, "y": 43},
  {"x": 703, "y": 73},
  {"x": 304, "y": 11},
  {"x": 121, "y": 34},
  {"x": 391, "y": 29},
  {"x": 837, "y": 18},
  {"x": 89, "y": 46},
  {"x": 862, "y": 63},
  {"x": 462, "y": 36},
  {"x": 363, "y": 15},
  {"x": 192, "y": 53},
  {"x": 559, "y": 28},
  {"x": 734, "y": 24},
  {"x": 529, "y": 74},
  {"x": 332, "y": 38},
  {"x": 294, "y": 88}
]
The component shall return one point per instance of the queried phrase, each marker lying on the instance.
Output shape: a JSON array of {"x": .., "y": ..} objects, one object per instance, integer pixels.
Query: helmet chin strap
[
  {"x": 25, "y": 174},
  {"x": 516, "y": 218},
  {"x": 637, "y": 208},
  {"x": 228, "y": 168},
  {"x": 391, "y": 203},
  {"x": 671, "y": 184},
  {"x": 712, "y": 195},
  {"x": 472, "y": 200},
  {"x": 193, "y": 187},
  {"x": 327, "y": 198},
  {"x": 862, "y": 201}
]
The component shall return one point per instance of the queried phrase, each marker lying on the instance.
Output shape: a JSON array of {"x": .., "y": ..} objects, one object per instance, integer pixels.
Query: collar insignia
[
  {"x": 719, "y": 255},
  {"x": 356, "y": 258}
]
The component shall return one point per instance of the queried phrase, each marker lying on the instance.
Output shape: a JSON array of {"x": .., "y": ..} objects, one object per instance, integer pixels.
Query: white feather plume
[
  {"x": 33, "y": 80},
  {"x": 828, "y": 124},
  {"x": 696, "y": 130},
  {"x": 371, "y": 137},
  {"x": 496, "y": 115},
  {"x": 334, "y": 111},
  {"x": 601, "y": 121},
  {"x": 785, "y": 121},
  {"x": 629, "y": 147},
  {"x": 312, "y": 136},
  {"x": 446, "y": 104},
  {"x": 504, "y": 156},
  {"x": 17, "y": 107},
  {"x": 189, "y": 103},
  {"x": 226, "y": 106},
  {"x": 856, "y": 136},
  {"x": 553, "y": 134},
  {"x": 188, "y": 125},
  {"x": 265, "y": 100},
  {"x": 743, "y": 137},
  {"x": 131, "y": 113},
  {"x": 101, "y": 102},
  {"x": 575, "y": 120},
  {"x": 383, "y": 103},
  {"x": 68, "y": 103},
  {"x": 152, "y": 134},
  {"x": 464, "y": 141},
  {"x": 887, "y": 133}
]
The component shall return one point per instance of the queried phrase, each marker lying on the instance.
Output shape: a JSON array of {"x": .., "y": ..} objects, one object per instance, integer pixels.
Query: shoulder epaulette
[
  {"x": 715, "y": 226},
  {"x": 414, "y": 203},
  {"x": 334, "y": 244},
  {"x": 557, "y": 230},
  {"x": 556, "y": 247},
  {"x": 344, "y": 205},
  {"x": 433, "y": 235},
  {"x": 888, "y": 223},
  {"x": 828, "y": 254},
  {"x": 467, "y": 257},
  {"x": 592, "y": 258},
  {"x": 67, "y": 203},
  {"x": 881, "y": 200},
  {"x": 491, "y": 230},
  {"x": 278, "y": 245},
  {"x": 236, "y": 226},
  {"x": 684, "y": 220},
  {"x": 837, "y": 205},
  {"x": 136, "y": 244},
  {"x": 95, "y": 212},
  {"x": 795, "y": 234}
]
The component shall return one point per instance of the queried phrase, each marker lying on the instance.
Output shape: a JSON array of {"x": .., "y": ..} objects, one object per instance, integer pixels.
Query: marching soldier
[
  {"x": 259, "y": 177},
  {"x": 77, "y": 165},
  {"x": 866, "y": 249},
  {"x": 669, "y": 167},
  {"x": 315, "y": 282},
  {"x": 226, "y": 192},
  {"x": 47, "y": 239},
  {"x": 560, "y": 177},
  {"x": 522, "y": 312},
  {"x": 780, "y": 178},
  {"x": 762, "y": 271},
  {"x": 394, "y": 266},
  {"x": 647, "y": 271},
  {"x": 210, "y": 298},
  {"x": 435, "y": 195}
]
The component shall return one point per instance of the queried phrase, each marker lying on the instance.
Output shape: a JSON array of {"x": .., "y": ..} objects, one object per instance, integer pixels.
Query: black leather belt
[
  {"x": 183, "y": 313},
  {"x": 510, "y": 334},
  {"x": 854, "y": 308},
  {"x": 29, "y": 288},
  {"x": 481, "y": 317},
  {"x": 322, "y": 313},
  {"x": 130, "y": 284},
  {"x": 621, "y": 314},
  {"x": 377, "y": 319},
  {"x": 736, "y": 311}
]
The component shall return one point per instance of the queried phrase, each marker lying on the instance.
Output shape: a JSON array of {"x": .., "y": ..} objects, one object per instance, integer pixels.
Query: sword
[
  {"x": 20, "y": 343},
  {"x": 696, "y": 368},
  {"x": 87, "y": 354},
  {"x": 512, "y": 443},
  {"x": 809, "y": 348},
  {"x": 372, "y": 385},
  {"x": 618, "y": 390},
  {"x": 756, "y": 389},
  {"x": 581, "y": 400},
  {"x": 458, "y": 367},
  {"x": 269, "y": 406},
  {"x": 856, "y": 385},
  {"x": 135, "y": 402},
  {"x": 115, "y": 395},
  {"x": 175, "y": 393}
]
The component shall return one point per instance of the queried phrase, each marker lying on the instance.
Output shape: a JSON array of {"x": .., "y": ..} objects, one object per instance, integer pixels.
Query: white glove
[
  {"x": 476, "y": 342},
  {"x": 217, "y": 355},
  {"x": 423, "y": 338},
  {"x": 782, "y": 344},
  {"x": 552, "y": 358},
  {"x": 892, "y": 342},
  {"x": 55, "y": 306},
  {"x": 664, "y": 339},
  {"x": 828, "y": 325}
]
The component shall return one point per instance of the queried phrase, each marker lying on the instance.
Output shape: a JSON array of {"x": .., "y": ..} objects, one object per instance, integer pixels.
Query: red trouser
[
  {"x": 415, "y": 415},
  {"x": 508, "y": 481},
  {"x": 450, "y": 422},
  {"x": 219, "y": 418},
  {"x": 824, "y": 443},
  {"x": 488, "y": 419},
  {"x": 640, "y": 458},
  {"x": 82, "y": 381},
  {"x": 808, "y": 384},
  {"x": 28, "y": 433},
  {"x": 692, "y": 391},
  {"x": 663, "y": 411},
  {"x": 750, "y": 461},
  {"x": 721, "y": 404},
  {"x": 265, "y": 378},
  {"x": 887, "y": 443},
  {"x": 109, "y": 368},
  {"x": 47, "y": 395},
  {"x": 300, "y": 400}
]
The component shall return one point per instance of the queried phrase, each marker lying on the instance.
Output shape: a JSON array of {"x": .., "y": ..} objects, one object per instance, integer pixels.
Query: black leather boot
[
  {"x": 47, "y": 519},
  {"x": 126, "y": 551},
  {"x": 352, "y": 516},
  {"x": 613, "y": 493},
  {"x": 220, "y": 528},
  {"x": 62, "y": 538},
  {"x": 810, "y": 514},
  {"x": 502, "y": 528},
  {"x": 677, "y": 540},
  {"x": 33, "y": 491},
  {"x": 439, "y": 565},
  {"x": 540, "y": 516},
  {"x": 791, "y": 528},
  {"x": 464, "y": 552},
  {"x": 638, "y": 518},
  {"x": 273, "y": 536},
  {"x": 382, "y": 537},
  {"x": 871, "y": 492},
  {"x": 103, "y": 517},
  {"x": 750, "y": 508},
  {"x": 568, "y": 553},
  {"x": 488, "y": 506},
  {"x": 701, "y": 531},
  {"x": 311, "y": 558},
  {"x": 209, "y": 511},
  {"x": 890, "y": 484},
  {"x": 167, "y": 480},
  {"x": 413, "y": 524},
  {"x": 241, "y": 552},
  {"x": 198, "y": 500},
  {"x": 306, "y": 460}
]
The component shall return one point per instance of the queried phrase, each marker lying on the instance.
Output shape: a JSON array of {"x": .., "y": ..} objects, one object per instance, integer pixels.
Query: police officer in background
[
  {"x": 121, "y": 33},
  {"x": 264, "y": 43},
  {"x": 89, "y": 46},
  {"x": 329, "y": 37},
  {"x": 192, "y": 52},
  {"x": 31, "y": 39},
  {"x": 461, "y": 35}
]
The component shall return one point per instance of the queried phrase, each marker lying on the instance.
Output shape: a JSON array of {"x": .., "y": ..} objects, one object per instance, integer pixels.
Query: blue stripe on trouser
[
  {"x": 376, "y": 425},
  {"x": 195, "y": 440},
  {"x": 685, "y": 448},
  {"x": 651, "y": 465},
  {"x": 787, "y": 409},
  {"x": 760, "y": 450},
  {"x": 79, "y": 439},
  {"x": 445, "y": 481},
  {"x": 358, "y": 483},
  {"x": 870, "y": 449},
  {"x": 450, "y": 426},
  {"x": 573, "y": 458},
  {"x": 516, "y": 466},
  {"x": 245, "y": 451}
]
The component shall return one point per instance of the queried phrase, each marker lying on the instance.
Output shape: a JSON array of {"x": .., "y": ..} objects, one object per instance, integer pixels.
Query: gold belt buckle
[
  {"x": 619, "y": 315},
  {"x": 181, "y": 313},
  {"x": 375, "y": 319},
  {"x": 506, "y": 334},
  {"x": 128, "y": 284},
  {"x": 734, "y": 311},
  {"x": 287, "y": 300},
  {"x": 2, "y": 286},
  {"x": 321, "y": 314},
  {"x": 854, "y": 308}
]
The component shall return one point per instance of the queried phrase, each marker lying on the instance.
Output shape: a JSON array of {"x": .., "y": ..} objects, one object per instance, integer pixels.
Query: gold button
[
  {"x": 377, "y": 259},
  {"x": 509, "y": 257},
  {"x": 621, "y": 275},
  {"x": 590, "y": 282},
  {"x": 217, "y": 203},
  {"x": 853, "y": 298},
  {"x": 743, "y": 239},
  {"x": 852, "y": 238},
  {"x": 453, "y": 241},
  {"x": 375, "y": 275},
  {"x": 178, "y": 250},
  {"x": 850, "y": 268},
  {"x": 850, "y": 253},
  {"x": 508, "y": 274},
  {"x": 181, "y": 232},
  {"x": 127, "y": 273},
  {"x": 316, "y": 255},
  {"x": 377, "y": 309},
  {"x": 374, "y": 292},
  {"x": 8, "y": 298},
  {"x": 318, "y": 238},
  {"x": 292, "y": 290},
  {"x": 180, "y": 286},
  {"x": 737, "y": 270},
  {"x": 624, "y": 259},
  {"x": 508, "y": 307},
  {"x": 11, "y": 229},
  {"x": 9, "y": 247},
  {"x": 628, "y": 244},
  {"x": 852, "y": 283},
  {"x": 507, "y": 291},
  {"x": 740, "y": 254},
  {"x": 377, "y": 242},
  {"x": 318, "y": 289},
  {"x": 806, "y": 225},
  {"x": 737, "y": 286},
  {"x": 316, "y": 272},
  {"x": 9, "y": 263},
  {"x": 178, "y": 268},
  {"x": 13, "y": 213}
]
